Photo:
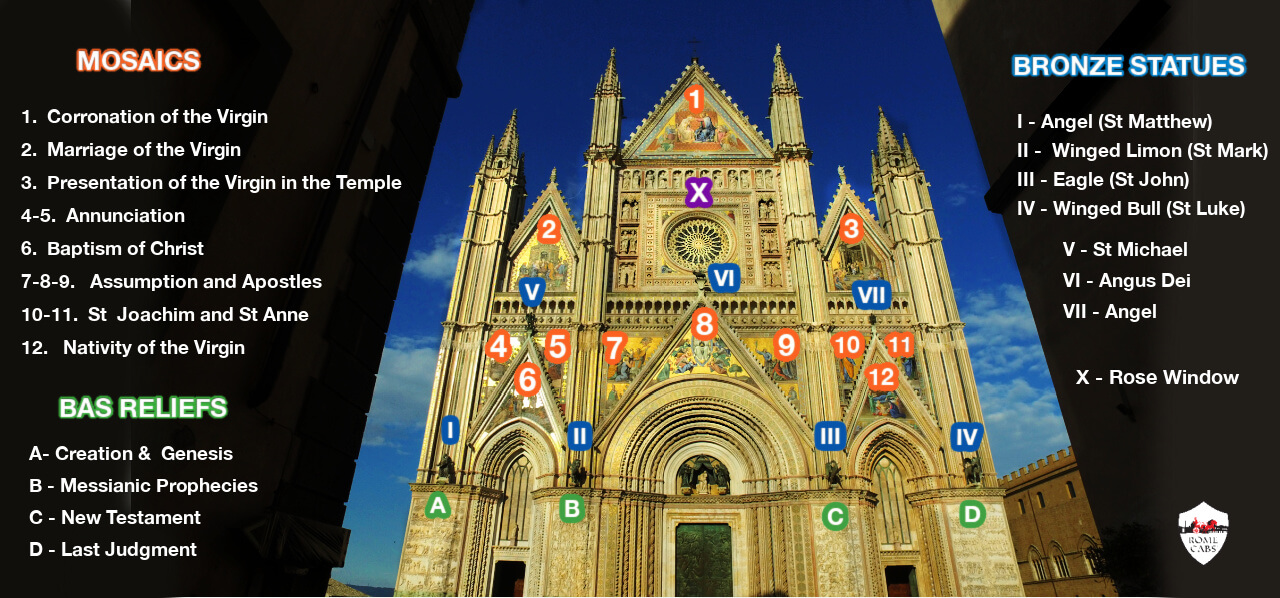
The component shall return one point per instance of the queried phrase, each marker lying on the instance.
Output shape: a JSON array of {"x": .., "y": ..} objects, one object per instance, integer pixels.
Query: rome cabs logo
[{"x": 1204, "y": 531}]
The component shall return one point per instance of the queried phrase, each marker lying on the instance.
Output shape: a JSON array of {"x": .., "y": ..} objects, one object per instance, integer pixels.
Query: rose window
[{"x": 697, "y": 242}]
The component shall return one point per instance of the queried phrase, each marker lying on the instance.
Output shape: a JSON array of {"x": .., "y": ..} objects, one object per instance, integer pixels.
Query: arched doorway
[{"x": 708, "y": 447}]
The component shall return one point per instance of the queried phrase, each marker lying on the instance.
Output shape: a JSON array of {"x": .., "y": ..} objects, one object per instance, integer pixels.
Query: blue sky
[{"x": 847, "y": 59}]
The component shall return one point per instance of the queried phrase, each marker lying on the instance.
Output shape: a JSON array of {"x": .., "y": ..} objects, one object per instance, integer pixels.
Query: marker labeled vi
[{"x": 725, "y": 278}]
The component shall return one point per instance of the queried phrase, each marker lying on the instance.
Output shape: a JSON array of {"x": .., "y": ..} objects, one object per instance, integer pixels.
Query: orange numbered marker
[
  {"x": 882, "y": 376},
  {"x": 697, "y": 98},
  {"x": 900, "y": 344},
  {"x": 614, "y": 343},
  {"x": 706, "y": 323},
  {"x": 556, "y": 346},
  {"x": 848, "y": 345},
  {"x": 786, "y": 344},
  {"x": 549, "y": 230},
  {"x": 499, "y": 346},
  {"x": 851, "y": 228},
  {"x": 528, "y": 379}
]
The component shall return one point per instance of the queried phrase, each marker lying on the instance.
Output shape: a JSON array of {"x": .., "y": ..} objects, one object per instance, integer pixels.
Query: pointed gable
[
  {"x": 554, "y": 262},
  {"x": 680, "y": 356},
  {"x": 870, "y": 259},
  {"x": 672, "y": 130},
  {"x": 903, "y": 405},
  {"x": 504, "y": 404}
]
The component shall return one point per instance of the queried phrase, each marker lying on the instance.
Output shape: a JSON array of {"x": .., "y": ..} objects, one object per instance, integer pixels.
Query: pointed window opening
[
  {"x": 892, "y": 521},
  {"x": 517, "y": 509}
]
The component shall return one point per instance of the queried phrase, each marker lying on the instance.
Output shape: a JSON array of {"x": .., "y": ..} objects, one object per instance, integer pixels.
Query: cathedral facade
[{"x": 703, "y": 476}]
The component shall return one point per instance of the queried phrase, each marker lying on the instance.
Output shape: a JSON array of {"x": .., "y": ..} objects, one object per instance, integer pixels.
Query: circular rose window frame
[{"x": 726, "y": 253}]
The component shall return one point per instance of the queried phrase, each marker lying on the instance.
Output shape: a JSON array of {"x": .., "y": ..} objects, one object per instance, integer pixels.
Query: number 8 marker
[
  {"x": 528, "y": 379},
  {"x": 851, "y": 228},
  {"x": 613, "y": 342},
  {"x": 556, "y": 347},
  {"x": 499, "y": 346},
  {"x": 549, "y": 230},
  {"x": 705, "y": 324},
  {"x": 787, "y": 344}
]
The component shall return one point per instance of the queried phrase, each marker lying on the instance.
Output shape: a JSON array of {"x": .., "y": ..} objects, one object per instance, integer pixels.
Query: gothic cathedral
[{"x": 703, "y": 476}]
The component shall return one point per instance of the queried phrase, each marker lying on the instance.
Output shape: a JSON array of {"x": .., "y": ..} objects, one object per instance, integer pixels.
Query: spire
[
  {"x": 886, "y": 139},
  {"x": 510, "y": 142},
  {"x": 782, "y": 80},
  {"x": 906, "y": 147},
  {"x": 609, "y": 81},
  {"x": 488, "y": 153}
]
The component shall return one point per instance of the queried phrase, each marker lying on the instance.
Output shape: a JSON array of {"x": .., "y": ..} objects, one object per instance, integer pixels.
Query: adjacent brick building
[{"x": 1052, "y": 528}]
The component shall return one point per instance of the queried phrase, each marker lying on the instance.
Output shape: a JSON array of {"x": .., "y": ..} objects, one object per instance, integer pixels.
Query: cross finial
[{"x": 693, "y": 47}]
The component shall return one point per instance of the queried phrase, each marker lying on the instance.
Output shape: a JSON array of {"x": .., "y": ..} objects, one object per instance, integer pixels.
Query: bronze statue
[
  {"x": 721, "y": 475},
  {"x": 444, "y": 470},
  {"x": 577, "y": 473},
  {"x": 972, "y": 470},
  {"x": 686, "y": 479},
  {"x": 833, "y": 474}
]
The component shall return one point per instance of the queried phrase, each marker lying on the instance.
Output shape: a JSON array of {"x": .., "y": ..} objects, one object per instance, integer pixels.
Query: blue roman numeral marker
[
  {"x": 872, "y": 294},
  {"x": 531, "y": 290},
  {"x": 724, "y": 278}
]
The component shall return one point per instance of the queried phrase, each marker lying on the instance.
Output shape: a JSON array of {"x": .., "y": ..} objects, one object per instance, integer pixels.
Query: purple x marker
[{"x": 699, "y": 195}]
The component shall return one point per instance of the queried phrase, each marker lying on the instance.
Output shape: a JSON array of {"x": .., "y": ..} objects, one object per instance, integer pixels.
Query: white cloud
[
  {"x": 440, "y": 262},
  {"x": 400, "y": 395},
  {"x": 1001, "y": 333},
  {"x": 958, "y": 193},
  {"x": 1023, "y": 422}
]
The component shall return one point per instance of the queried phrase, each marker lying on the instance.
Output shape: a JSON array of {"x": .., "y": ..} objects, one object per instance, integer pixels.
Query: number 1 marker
[{"x": 696, "y": 96}]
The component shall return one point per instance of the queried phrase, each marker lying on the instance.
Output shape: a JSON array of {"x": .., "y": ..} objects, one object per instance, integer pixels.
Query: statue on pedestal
[
  {"x": 577, "y": 473},
  {"x": 445, "y": 473},
  {"x": 972, "y": 471},
  {"x": 833, "y": 474}
]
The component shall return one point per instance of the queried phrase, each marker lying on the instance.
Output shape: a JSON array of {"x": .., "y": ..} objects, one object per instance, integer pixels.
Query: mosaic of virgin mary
[{"x": 685, "y": 131}]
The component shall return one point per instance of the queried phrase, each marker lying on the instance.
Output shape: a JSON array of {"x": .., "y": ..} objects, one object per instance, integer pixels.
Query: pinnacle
[
  {"x": 609, "y": 81},
  {"x": 488, "y": 153},
  {"x": 510, "y": 139},
  {"x": 553, "y": 174},
  {"x": 887, "y": 140},
  {"x": 782, "y": 79}
]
